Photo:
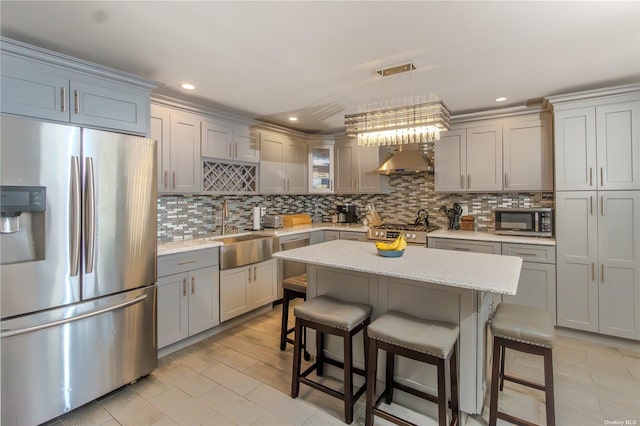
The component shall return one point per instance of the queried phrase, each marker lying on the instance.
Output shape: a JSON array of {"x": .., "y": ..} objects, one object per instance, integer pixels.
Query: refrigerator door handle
[
  {"x": 90, "y": 216},
  {"x": 75, "y": 216},
  {"x": 9, "y": 333}
]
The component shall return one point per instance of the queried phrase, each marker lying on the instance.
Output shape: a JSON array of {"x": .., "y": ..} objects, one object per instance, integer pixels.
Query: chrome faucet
[{"x": 225, "y": 216}]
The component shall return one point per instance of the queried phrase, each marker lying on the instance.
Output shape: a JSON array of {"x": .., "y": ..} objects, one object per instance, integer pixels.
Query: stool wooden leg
[
  {"x": 442, "y": 393},
  {"x": 502, "y": 357},
  {"x": 453, "y": 376},
  {"x": 372, "y": 360},
  {"x": 319, "y": 353},
  {"x": 285, "y": 320},
  {"x": 495, "y": 378},
  {"x": 388, "y": 381},
  {"x": 295, "y": 375},
  {"x": 348, "y": 378},
  {"x": 548, "y": 385}
]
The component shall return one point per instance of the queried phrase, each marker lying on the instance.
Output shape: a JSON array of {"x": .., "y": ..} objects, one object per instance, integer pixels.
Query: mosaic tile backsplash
[{"x": 185, "y": 217}]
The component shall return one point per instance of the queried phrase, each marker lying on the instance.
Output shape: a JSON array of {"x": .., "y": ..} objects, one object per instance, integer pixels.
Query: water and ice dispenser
[{"x": 22, "y": 223}]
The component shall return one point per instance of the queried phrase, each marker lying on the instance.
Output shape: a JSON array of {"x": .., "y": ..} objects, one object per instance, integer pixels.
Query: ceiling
[{"x": 317, "y": 60}]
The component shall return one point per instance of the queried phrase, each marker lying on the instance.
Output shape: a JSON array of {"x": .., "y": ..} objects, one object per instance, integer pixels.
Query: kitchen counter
[
  {"x": 475, "y": 271},
  {"x": 292, "y": 230},
  {"x": 491, "y": 236},
  {"x": 180, "y": 246}
]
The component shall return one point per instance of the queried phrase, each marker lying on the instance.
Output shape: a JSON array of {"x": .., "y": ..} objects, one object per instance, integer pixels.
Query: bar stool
[
  {"x": 294, "y": 287},
  {"x": 528, "y": 330},
  {"x": 325, "y": 314},
  {"x": 422, "y": 340}
]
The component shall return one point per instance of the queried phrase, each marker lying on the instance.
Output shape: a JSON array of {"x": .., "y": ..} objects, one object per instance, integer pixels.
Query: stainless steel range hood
[{"x": 407, "y": 159}]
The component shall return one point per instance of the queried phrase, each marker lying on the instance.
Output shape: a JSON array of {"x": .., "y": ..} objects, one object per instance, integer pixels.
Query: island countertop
[{"x": 475, "y": 271}]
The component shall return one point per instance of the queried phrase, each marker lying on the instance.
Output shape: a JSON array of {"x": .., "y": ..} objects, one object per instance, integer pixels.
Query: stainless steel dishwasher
[{"x": 288, "y": 268}]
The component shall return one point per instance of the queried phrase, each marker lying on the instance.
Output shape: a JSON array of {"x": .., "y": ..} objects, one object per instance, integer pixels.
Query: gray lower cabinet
[
  {"x": 537, "y": 284},
  {"x": 36, "y": 89},
  {"x": 353, "y": 236},
  {"x": 465, "y": 245},
  {"x": 598, "y": 260},
  {"x": 331, "y": 235},
  {"x": 248, "y": 287},
  {"x": 188, "y": 294}
]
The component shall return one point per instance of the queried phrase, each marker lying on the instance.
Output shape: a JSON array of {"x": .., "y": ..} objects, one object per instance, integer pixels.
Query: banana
[{"x": 399, "y": 243}]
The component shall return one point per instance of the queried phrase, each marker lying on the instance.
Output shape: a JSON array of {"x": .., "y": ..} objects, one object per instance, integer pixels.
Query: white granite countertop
[
  {"x": 476, "y": 271},
  {"x": 491, "y": 236},
  {"x": 180, "y": 246},
  {"x": 298, "y": 229}
]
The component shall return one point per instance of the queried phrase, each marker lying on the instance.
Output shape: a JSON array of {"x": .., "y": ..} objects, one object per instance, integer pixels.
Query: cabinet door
[
  {"x": 527, "y": 155},
  {"x": 109, "y": 108},
  {"x": 159, "y": 130},
  {"x": 368, "y": 161},
  {"x": 451, "y": 161},
  {"x": 465, "y": 245},
  {"x": 484, "y": 158},
  {"x": 619, "y": 263},
  {"x": 173, "y": 307},
  {"x": 536, "y": 287},
  {"x": 575, "y": 149},
  {"x": 353, "y": 236},
  {"x": 321, "y": 169},
  {"x": 235, "y": 293},
  {"x": 618, "y": 146},
  {"x": 204, "y": 309},
  {"x": 264, "y": 283},
  {"x": 576, "y": 248},
  {"x": 217, "y": 141},
  {"x": 272, "y": 179},
  {"x": 31, "y": 90},
  {"x": 247, "y": 145},
  {"x": 185, "y": 153},
  {"x": 346, "y": 160},
  {"x": 331, "y": 235},
  {"x": 296, "y": 167}
]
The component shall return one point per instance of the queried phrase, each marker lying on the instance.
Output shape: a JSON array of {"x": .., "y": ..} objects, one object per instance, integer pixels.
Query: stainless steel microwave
[{"x": 535, "y": 222}]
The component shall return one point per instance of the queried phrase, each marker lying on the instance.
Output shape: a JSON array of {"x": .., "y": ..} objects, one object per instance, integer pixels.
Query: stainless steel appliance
[
  {"x": 272, "y": 221},
  {"x": 415, "y": 234},
  {"x": 347, "y": 213},
  {"x": 78, "y": 276},
  {"x": 289, "y": 268},
  {"x": 534, "y": 222}
]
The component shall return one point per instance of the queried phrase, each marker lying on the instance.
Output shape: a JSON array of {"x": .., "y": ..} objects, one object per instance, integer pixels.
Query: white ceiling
[{"x": 317, "y": 60}]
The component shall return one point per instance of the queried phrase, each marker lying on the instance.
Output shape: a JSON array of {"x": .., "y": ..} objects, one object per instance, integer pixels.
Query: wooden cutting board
[{"x": 296, "y": 219}]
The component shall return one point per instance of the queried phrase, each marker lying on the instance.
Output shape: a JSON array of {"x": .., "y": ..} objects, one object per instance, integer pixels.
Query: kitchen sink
[{"x": 240, "y": 250}]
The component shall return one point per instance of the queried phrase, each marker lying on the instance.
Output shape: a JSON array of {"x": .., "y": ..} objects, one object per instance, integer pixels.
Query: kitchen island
[{"x": 433, "y": 284}]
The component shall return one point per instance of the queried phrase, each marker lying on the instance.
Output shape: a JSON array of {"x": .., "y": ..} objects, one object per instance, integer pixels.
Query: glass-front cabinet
[{"x": 321, "y": 162}]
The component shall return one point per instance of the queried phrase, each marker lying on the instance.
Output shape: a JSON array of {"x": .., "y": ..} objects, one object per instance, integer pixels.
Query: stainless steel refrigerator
[{"x": 78, "y": 266}]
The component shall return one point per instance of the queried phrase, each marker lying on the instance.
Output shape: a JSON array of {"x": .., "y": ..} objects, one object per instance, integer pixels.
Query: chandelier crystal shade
[{"x": 418, "y": 119}]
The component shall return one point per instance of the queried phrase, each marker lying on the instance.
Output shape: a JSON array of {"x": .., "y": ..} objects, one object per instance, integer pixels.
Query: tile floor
[{"x": 240, "y": 377}]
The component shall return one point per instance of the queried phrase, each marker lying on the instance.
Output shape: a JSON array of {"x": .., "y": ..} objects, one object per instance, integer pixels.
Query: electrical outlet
[
  {"x": 263, "y": 211},
  {"x": 465, "y": 210}
]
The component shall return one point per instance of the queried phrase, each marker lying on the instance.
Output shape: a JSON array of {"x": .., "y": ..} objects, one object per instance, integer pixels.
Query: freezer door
[
  {"x": 39, "y": 261},
  {"x": 119, "y": 211},
  {"x": 55, "y": 361}
]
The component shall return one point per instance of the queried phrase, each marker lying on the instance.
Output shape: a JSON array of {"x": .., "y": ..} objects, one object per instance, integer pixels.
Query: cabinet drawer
[
  {"x": 182, "y": 262},
  {"x": 530, "y": 252},
  {"x": 465, "y": 245},
  {"x": 353, "y": 236}
]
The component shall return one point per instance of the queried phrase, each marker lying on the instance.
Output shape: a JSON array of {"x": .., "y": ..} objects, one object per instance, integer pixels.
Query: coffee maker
[{"x": 346, "y": 213}]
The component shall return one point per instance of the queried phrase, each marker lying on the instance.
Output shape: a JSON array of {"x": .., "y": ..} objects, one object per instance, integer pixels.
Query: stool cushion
[
  {"x": 297, "y": 283},
  {"x": 523, "y": 324},
  {"x": 425, "y": 336},
  {"x": 332, "y": 312}
]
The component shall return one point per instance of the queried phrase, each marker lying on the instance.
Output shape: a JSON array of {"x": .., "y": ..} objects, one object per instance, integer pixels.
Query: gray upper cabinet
[
  {"x": 527, "y": 155},
  {"x": 354, "y": 171},
  {"x": 451, "y": 161},
  {"x": 283, "y": 164},
  {"x": 34, "y": 88},
  {"x": 225, "y": 141},
  {"x": 178, "y": 136},
  {"x": 598, "y": 261},
  {"x": 484, "y": 158},
  {"x": 597, "y": 146}
]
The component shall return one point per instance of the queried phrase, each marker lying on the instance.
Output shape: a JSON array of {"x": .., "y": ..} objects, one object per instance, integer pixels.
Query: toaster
[{"x": 272, "y": 221}]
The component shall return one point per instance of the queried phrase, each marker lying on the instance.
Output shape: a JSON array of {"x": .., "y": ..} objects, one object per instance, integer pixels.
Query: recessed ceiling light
[
  {"x": 292, "y": 118},
  {"x": 501, "y": 99},
  {"x": 188, "y": 86}
]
